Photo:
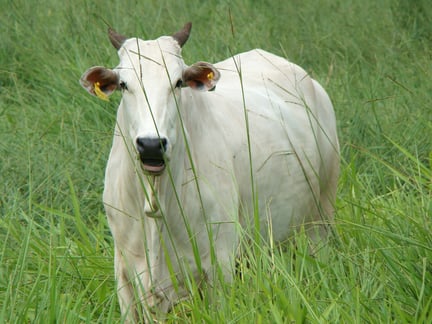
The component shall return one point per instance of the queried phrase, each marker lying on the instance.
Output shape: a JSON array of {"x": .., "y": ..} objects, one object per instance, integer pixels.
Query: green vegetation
[{"x": 374, "y": 59}]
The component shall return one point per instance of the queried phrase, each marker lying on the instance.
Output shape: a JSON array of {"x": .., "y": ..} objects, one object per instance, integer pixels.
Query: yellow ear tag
[
  {"x": 99, "y": 93},
  {"x": 210, "y": 76}
]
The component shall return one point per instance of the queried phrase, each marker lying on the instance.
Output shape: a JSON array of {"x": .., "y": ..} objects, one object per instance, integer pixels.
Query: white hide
[{"x": 200, "y": 203}]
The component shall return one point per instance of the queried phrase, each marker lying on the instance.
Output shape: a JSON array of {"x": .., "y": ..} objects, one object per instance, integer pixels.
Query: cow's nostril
[{"x": 163, "y": 142}]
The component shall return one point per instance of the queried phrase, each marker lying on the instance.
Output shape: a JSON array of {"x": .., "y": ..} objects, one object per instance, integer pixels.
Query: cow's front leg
[
  {"x": 140, "y": 302},
  {"x": 124, "y": 288}
]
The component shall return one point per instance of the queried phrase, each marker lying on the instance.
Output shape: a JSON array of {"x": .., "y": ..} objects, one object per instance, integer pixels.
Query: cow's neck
[{"x": 152, "y": 189}]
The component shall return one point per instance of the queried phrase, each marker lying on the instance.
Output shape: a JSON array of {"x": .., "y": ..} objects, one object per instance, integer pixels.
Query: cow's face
[{"x": 150, "y": 76}]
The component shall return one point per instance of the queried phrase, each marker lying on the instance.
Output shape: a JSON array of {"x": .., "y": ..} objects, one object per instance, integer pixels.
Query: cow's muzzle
[{"x": 151, "y": 152}]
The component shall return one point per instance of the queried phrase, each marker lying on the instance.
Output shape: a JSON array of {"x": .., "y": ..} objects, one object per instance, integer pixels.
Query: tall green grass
[{"x": 373, "y": 57}]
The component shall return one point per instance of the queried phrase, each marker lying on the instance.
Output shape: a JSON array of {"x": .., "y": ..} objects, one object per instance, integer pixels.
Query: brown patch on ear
[
  {"x": 201, "y": 76},
  {"x": 105, "y": 79}
]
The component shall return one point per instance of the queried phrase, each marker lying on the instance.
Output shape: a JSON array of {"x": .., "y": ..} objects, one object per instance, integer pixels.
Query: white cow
[{"x": 193, "y": 171}]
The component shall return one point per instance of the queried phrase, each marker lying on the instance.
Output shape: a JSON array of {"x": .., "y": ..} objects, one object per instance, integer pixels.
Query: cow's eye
[
  {"x": 123, "y": 85},
  {"x": 179, "y": 83}
]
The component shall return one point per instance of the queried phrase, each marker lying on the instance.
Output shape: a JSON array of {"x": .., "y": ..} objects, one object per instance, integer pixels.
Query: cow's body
[{"x": 264, "y": 110}]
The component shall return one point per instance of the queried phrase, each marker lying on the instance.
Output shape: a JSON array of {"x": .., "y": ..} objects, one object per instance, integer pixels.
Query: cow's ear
[
  {"x": 100, "y": 82},
  {"x": 201, "y": 76}
]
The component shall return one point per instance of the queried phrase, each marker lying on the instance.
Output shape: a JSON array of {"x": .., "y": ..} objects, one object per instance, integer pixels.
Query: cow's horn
[
  {"x": 116, "y": 39},
  {"x": 182, "y": 36}
]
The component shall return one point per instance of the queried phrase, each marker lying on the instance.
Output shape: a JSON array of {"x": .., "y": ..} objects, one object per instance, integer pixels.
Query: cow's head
[{"x": 150, "y": 76}]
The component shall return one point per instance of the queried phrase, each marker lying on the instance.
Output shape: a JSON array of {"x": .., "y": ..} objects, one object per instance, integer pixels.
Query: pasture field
[{"x": 373, "y": 57}]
